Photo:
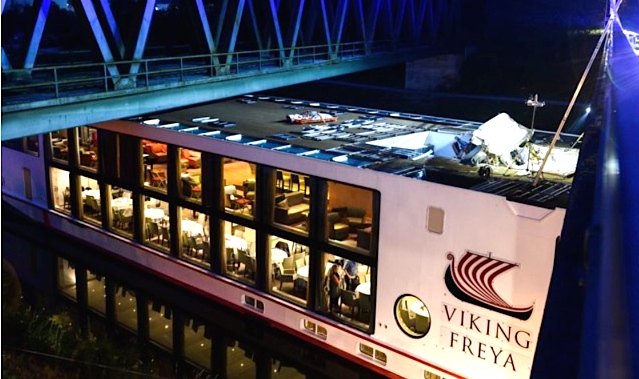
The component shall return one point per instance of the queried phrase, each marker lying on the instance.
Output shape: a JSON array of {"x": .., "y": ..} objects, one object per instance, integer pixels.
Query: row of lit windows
[
  {"x": 349, "y": 211},
  {"x": 174, "y": 197}
]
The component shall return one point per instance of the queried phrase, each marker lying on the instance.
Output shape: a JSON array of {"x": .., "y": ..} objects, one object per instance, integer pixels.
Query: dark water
[{"x": 241, "y": 346}]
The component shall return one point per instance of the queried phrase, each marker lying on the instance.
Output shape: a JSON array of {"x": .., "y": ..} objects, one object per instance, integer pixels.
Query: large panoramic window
[
  {"x": 350, "y": 216},
  {"x": 239, "y": 252},
  {"x": 195, "y": 242},
  {"x": 155, "y": 160},
  {"x": 60, "y": 189},
  {"x": 292, "y": 201},
  {"x": 91, "y": 201},
  {"x": 88, "y": 147},
  {"x": 122, "y": 211},
  {"x": 346, "y": 290},
  {"x": 239, "y": 187},
  {"x": 190, "y": 174},
  {"x": 59, "y": 145},
  {"x": 290, "y": 267},
  {"x": 156, "y": 222}
]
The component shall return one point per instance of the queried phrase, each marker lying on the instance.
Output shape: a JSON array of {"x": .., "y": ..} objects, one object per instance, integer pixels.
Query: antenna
[{"x": 533, "y": 101}]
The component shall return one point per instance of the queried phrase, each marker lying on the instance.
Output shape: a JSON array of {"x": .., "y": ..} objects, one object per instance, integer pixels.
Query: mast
[{"x": 605, "y": 33}]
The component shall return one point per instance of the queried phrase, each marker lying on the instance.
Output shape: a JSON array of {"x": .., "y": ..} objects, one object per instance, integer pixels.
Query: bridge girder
[
  {"x": 224, "y": 33},
  {"x": 95, "y": 108}
]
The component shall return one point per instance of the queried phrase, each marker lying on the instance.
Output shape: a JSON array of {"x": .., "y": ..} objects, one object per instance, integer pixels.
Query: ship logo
[{"x": 471, "y": 280}]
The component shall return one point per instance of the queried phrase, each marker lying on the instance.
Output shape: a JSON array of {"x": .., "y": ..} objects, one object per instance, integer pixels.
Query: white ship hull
[{"x": 465, "y": 340}]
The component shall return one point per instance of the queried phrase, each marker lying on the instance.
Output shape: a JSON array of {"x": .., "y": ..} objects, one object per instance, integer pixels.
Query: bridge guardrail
[{"x": 76, "y": 81}]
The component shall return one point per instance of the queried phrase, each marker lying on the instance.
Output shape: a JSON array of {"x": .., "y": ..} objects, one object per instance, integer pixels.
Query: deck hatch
[
  {"x": 284, "y": 137},
  {"x": 323, "y": 155},
  {"x": 220, "y": 135},
  {"x": 297, "y": 150},
  {"x": 266, "y": 144}
]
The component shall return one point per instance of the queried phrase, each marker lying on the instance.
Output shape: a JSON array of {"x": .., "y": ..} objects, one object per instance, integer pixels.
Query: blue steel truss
[{"x": 276, "y": 42}]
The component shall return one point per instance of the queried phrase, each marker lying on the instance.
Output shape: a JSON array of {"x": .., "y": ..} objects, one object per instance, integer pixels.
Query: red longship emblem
[{"x": 471, "y": 280}]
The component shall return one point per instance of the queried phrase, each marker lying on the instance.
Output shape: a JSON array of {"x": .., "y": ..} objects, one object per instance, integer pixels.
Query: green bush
[{"x": 51, "y": 344}]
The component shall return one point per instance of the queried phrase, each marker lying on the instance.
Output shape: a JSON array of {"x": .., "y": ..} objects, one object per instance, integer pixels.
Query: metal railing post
[
  {"x": 55, "y": 83},
  {"x": 106, "y": 79},
  {"x": 181, "y": 69}
]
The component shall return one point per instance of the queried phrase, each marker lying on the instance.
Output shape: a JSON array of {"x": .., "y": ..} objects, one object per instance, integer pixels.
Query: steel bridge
[{"x": 226, "y": 48}]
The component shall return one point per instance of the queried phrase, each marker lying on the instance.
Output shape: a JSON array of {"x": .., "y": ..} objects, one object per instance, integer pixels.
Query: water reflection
[{"x": 204, "y": 339}]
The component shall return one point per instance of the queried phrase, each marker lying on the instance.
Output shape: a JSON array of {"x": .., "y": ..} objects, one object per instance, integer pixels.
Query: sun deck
[{"x": 396, "y": 143}]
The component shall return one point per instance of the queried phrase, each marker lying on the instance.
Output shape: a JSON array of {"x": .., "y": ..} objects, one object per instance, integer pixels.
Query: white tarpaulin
[{"x": 500, "y": 135}]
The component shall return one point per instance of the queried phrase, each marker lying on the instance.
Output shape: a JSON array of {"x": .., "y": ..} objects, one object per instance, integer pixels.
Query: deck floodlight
[{"x": 633, "y": 40}]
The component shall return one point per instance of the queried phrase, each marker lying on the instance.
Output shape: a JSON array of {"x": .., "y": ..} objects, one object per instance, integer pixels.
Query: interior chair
[
  {"x": 337, "y": 227},
  {"x": 93, "y": 205},
  {"x": 289, "y": 272},
  {"x": 206, "y": 251},
  {"x": 295, "y": 180},
  {"x": 283, "y": 180},
  {"x": 67, "y": 199},
  {"x": 158, "y": 179},
  {"x": 190, "y": 188},
  {"x": 299, "y": 263},
  {"x": 364, "y": 306},
  {"x": 410, "y": 322},
  {"x": 230, "y": 260},
  {"x": 88, "y": 159},
  {"x": 422, "y": 323},
  {"x": 306, "y": 186},
  {"x": 185, "y": 242},
  {"x": 194, "y": 249},
  {"x": 164, "y": 235},
  {"x": 299, "y": 283},
  {"x": 355, "y": 215},
  {"x": 116, "y": 192},
  {"x": 126, "y": 221},
  {"x": 349, "y": 298},
  {"x": 152, "y": 230},
  {"x": 116, "y": 218},
  {"x": 241, "y": 260},
  {"x": 249, "y": 266},
  {"x": 249, "y": 189}
]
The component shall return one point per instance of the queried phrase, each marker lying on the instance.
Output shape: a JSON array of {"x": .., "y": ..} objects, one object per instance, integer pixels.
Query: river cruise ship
[{"x": 418, "y": 246}]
